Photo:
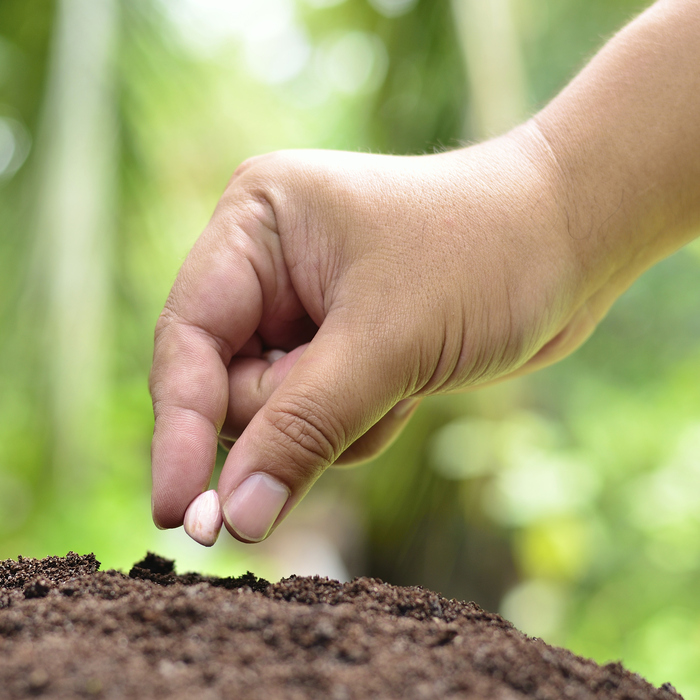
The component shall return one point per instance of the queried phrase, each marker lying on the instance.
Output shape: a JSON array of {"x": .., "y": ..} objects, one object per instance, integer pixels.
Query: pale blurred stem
[
  {"x": 493, "y": 64},
  {"x": 74, "y": 205},
  {"x": 495, "y": 71}
]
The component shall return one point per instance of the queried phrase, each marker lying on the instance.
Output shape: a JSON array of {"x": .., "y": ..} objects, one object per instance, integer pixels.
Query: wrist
[
  {"x": 624, "y": 135},
  {"x": 563, "y": 262},
  {"x": 512, "y": 202}
]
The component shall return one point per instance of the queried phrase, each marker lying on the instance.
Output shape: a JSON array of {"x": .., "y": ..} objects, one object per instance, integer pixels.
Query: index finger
[{"x": 215, "y": 306}]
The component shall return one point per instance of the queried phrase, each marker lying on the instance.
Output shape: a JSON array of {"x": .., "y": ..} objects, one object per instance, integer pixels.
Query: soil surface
[{"x": 68, "y": 630}]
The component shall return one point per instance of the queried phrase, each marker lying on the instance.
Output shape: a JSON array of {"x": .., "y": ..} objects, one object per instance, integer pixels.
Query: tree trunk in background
[
  {"x": 494, "y": 66},
  {"x": 75, "y": 210}
]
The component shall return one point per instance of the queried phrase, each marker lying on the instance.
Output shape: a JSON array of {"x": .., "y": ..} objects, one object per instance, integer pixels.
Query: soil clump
[{"x": 68, "y": 630}]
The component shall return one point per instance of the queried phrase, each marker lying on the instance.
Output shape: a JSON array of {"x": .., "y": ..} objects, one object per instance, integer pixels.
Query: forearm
[{"x": 624, "y": 138}]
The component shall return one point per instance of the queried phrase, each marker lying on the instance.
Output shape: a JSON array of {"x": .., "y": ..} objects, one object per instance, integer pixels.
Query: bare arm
[{"x": 625, "y": 136}]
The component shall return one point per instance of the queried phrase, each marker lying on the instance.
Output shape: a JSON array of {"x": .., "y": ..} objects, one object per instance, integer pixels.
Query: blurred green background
[{"x": 569, "y": 501}]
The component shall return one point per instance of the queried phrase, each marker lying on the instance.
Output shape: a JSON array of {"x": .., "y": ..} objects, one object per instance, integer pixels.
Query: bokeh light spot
[
  {"x": 393, "y": 8},
  {"x": 537, "y": 607},
  {"x": 353, "y": 62},
  {"x": 278, "y": 58},
  {"x": 14, "y": 146}
]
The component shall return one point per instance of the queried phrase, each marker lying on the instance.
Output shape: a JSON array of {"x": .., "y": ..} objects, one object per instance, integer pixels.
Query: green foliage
[{"x": 569, "y": 499}]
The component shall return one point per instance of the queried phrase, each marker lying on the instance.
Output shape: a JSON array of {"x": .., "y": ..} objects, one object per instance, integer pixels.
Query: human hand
[{"x": 329, "y": 293}]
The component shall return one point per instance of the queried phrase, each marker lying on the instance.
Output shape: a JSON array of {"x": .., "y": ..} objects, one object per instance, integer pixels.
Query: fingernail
[
  {"x": 404, "y": 407},
  {"x": 203, "y": 518},
  {"x": 253, "y": 507}
]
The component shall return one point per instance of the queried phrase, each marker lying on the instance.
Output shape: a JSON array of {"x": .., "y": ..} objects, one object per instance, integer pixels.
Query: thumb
[{"x": 333, "y": 394}]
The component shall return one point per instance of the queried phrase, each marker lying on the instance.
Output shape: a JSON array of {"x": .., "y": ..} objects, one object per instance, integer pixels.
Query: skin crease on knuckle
[{"x": 303, "y": 434}]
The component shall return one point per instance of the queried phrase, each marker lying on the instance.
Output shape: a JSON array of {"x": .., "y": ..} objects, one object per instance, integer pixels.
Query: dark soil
[{"x": 68, "y": 630}]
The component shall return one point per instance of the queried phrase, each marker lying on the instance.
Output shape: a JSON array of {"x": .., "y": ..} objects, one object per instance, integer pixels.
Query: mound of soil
[{"x": 68, "y": 630}]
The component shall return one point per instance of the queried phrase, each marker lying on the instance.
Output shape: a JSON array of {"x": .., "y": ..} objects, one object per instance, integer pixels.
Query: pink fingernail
[
  {"x": 203, "y": 518},
  {"x": 253, "y": 507}
]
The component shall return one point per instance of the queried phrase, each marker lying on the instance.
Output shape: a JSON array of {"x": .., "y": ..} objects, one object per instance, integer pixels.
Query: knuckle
[
  {"x": 167, "y": 316},
  {"x": 306, "y": 434},
  {"x": 243, "y": 168},
  {"x": 254, "y": 166},
  {"x": 163, "y": 328},
  {"x": 155, "y": 378}
]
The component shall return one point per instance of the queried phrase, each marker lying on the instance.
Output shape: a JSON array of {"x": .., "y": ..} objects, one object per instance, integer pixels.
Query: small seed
[
  {"x": 274, "y": 355},
  {"x": 203, "y": 518}
]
